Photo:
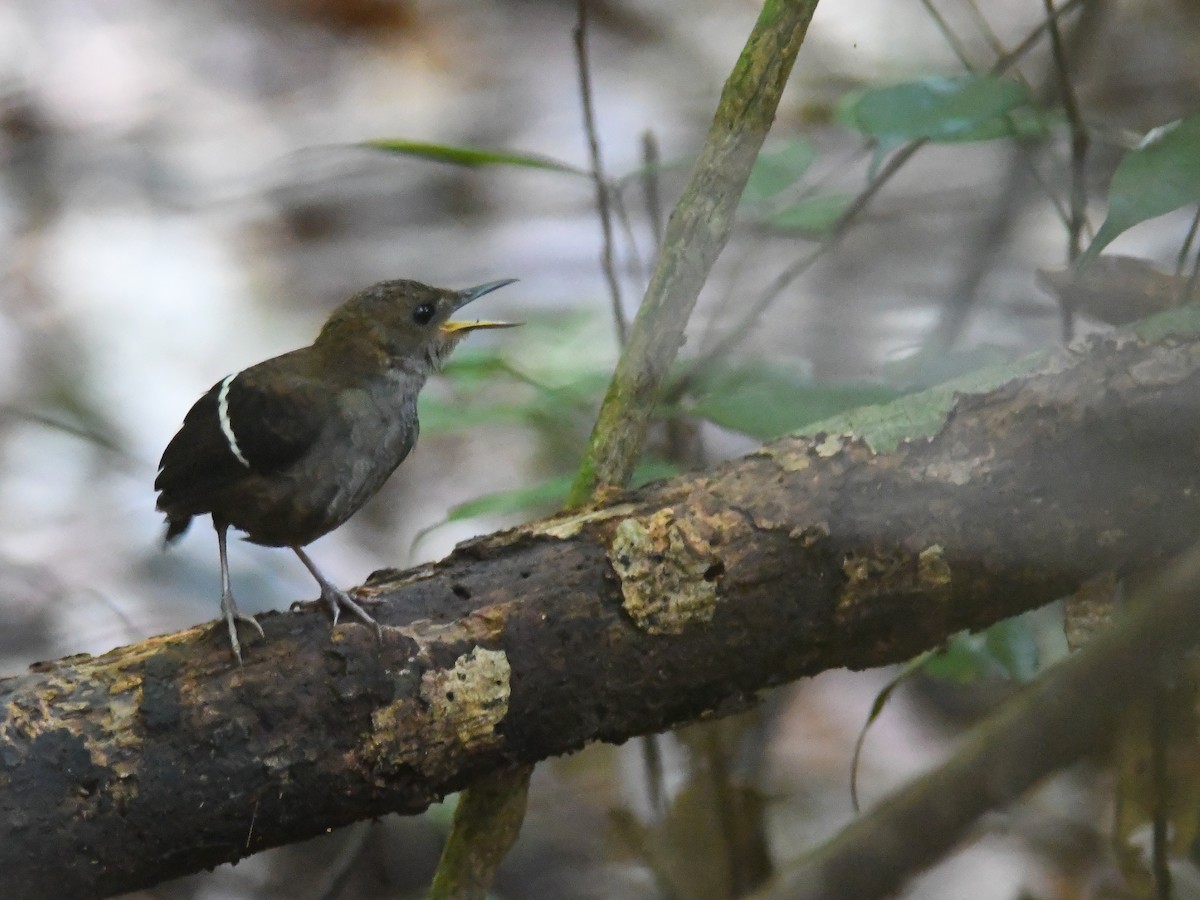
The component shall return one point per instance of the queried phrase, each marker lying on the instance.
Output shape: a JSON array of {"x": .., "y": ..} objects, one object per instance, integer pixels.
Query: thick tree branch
[{"x": 674, "y": 603}]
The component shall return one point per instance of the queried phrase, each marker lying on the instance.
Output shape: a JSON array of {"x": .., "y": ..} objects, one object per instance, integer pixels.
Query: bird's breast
[
  {"x": 370, "y": 430},
  {"x": 374, "y": 430}
]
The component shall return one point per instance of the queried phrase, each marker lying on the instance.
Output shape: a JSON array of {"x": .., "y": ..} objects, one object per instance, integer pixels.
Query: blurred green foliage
[
  {"x": 944, "y": 110},
  {"x": 1007, "y": 649}
]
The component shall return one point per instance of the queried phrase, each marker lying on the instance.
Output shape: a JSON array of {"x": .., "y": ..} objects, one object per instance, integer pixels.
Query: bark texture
[{"x": 667, "y": 605}]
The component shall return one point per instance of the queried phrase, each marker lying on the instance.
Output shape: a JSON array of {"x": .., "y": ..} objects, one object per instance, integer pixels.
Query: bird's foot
[
  {"x": 232, "y": 617},
  {"x": 364, "y": 599},
  {"x": 339, "y": 600}
]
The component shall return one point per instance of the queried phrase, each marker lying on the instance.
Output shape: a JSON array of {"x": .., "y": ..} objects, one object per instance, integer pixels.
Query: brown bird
[{"x": 288, "y": 449}]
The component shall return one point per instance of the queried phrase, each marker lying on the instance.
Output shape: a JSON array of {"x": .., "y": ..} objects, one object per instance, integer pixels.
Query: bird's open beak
[
  {"x": 479, "y": 324},
  {"x": 474, "y": 293}
]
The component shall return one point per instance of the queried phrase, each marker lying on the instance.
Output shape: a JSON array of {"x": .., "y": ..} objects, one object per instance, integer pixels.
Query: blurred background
[{"x": 185, "y": 190}]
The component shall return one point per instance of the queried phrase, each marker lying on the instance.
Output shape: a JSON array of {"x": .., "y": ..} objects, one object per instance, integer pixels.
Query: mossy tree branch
[{"x": 671, "y": 604}]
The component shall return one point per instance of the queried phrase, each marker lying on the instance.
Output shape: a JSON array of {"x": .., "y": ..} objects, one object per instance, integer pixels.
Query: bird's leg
[
  {"x": 228, "y": 606},
  {"x": 335, "y": 596}
]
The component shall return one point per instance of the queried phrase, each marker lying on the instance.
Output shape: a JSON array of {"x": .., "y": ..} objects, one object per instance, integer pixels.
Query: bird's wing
[{"x": 256, "y": 421}]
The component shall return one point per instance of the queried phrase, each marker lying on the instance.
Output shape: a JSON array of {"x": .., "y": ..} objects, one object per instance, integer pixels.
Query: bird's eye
[{"x": 423, "y": 313}]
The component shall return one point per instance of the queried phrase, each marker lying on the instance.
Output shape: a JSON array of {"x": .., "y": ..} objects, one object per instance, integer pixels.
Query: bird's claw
[
  {"x": 232, "y": 617},
  {"x": 365, "y": 599},
  {"x": 339, "y": 600}
]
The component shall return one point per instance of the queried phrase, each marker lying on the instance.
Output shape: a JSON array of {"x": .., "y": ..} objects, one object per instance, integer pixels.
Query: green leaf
[
  {"x": 964, "y": 660},
  {"x": 558, "y": 379},
  {"x": 776, "y": 170},
  {"x": 1007, "y": 649},
  {"x": 1158, "y": 176},
  {"x": 1012, "y": 644},
  {"x": 1027, "y": 122},
  {"x": 765, "y": 400},
  {"x": 812, "y": 215},
  {"x": 472, "y": 157},
  {"x": 962, "y": 108},
  {"x": 440, "y": 416},
  {"x": 549, "y": 493},
  {"x": 469, "y": 362},
  {"x": 653, "y": 470},
  {"x": 504, "y": 503}
]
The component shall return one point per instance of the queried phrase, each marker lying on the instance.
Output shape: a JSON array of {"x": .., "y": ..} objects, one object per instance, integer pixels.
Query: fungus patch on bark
[
  {"x": 669, "y": 568},
  {"x": 456, "y": 708}
]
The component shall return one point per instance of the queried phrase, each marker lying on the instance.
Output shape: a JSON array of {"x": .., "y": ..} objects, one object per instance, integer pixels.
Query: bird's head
[{"x": 404, "y": 320}]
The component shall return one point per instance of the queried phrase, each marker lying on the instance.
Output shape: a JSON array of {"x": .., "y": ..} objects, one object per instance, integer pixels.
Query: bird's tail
[{"x": 176, "y": 525}]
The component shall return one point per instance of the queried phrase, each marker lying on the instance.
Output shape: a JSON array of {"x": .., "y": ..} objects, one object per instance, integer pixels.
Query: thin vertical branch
[
  {"x": 985, "y": 27},
  {"x": 1079, "y": 147},
  {"x": 1185, "y": 248},
  {"x": 1079, "y": 135},
  {"x": 948, "y": 34},
  {"x": 602, "y": 188},
  {"x": 1187, "y": 290},
  {"x": 635, "y": 267},
  {"x": 650, "y": 186}
]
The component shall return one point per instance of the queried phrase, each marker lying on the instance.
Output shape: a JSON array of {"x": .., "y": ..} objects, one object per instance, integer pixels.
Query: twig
[
  {"x": 1079, "y": 135},
  {"x": 1188, "y": 291},
  {"x": 652, "y": 765},
  {"x": 1079, "y": 147},
  {"x": 650, "y": 186},
  {"x": 985, "y": 28},
  {"x": 651, "y": 749},
  {"x": 948, "y": 34},
  {"x": 488, "y": 819},
  {"x": 635, "y": 267},
  {"x": 602, "y": 188}
]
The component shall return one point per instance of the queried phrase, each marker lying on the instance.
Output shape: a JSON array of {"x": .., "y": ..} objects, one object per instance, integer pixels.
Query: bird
[{"x": 290, "y": 448}]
